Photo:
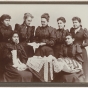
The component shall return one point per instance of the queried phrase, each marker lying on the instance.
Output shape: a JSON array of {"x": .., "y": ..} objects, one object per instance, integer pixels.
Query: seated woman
[
  {"x": 46, "y": 36},
  {"x": 71, "y": 58},
  {"x": 14, "y": 58},
  {"x": 20, "y": 47}
]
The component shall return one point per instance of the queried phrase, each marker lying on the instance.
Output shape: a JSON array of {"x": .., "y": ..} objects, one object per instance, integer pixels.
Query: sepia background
[
  {"x": 55, "y": 10},
  {"x": 16, "y": 11}
]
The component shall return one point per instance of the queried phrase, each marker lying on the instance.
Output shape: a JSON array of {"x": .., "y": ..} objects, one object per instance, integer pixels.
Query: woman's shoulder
[
  {"x": 17, "y": 25},
  {"x": 66, "y": 30},
  {"x": 9, "y": 46},
  {"x": 38, "y": 28},
  {"x": 33, "y": 27},
  {"x": 71, "y": 29},
  {"x": 52, "y": 28}
]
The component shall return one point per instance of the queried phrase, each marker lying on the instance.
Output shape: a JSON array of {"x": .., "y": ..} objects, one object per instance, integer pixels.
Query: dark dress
[
  {"x": 11, "y": 74},
  {"x": 80, "y": 36},
  {"x": 45, "y": 35},
  {"x": 5, "y": 35},
  {"x": 60, "y": 39},
  {"x": 21, "y": 52},
  {"x": 26, "y": 34},
  {"x": 73, "y": 52}
]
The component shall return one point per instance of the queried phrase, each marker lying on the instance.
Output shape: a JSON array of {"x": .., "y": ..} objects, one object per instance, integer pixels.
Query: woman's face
[
  {"x": 69, "y": 40},
  {"x": 15, "y": 38},
  {"x": 6, "y": 22},
  {"x": 44, "y": 22},
  {"x": 76, "y": 24},
  {"x": 28, "y": 21},
  {"x": 61, "y": 24}
]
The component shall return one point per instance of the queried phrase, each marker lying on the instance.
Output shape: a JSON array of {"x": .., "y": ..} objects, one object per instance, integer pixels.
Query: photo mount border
[{"x": 37, "y": 84}]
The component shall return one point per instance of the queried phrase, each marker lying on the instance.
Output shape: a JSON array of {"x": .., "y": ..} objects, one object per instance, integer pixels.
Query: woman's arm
[
  {"x": 85, "y": 43},
  {"x": 52, "y": 35}
]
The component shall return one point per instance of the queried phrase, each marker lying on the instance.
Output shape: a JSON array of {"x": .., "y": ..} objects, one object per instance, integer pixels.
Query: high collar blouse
[
  {"x": 46, "y": 35},
  {"x": 60, "y": 36},
  {"x": 72, "y": 51}
]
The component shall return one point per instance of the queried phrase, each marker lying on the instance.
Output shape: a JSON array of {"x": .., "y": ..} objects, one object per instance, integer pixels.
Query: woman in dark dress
[
  {"x": 81, "y": 38},
  {"x": 5, "y": 34},
  {"x": 60, "y": 35},
  {"x": 71, "y": 55},
  {"x": 45, "y": 34},
  {"x": 26, "y": 33},
  {"x": 15, "y": 68}
]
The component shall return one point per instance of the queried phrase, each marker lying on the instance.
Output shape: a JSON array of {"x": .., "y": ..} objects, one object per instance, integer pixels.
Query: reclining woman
[
  {"x": 15, "y": 70},
  {"x": 71, "y": 59}
]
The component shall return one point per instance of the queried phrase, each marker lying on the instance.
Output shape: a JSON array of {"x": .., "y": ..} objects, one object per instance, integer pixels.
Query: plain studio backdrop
[{"x": 16, "y": 11}]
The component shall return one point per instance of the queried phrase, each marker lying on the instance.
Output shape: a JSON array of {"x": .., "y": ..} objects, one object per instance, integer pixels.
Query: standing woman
[
  {"x": 26, "y": 33},
  {"x": 5, "y": 28},
  {"x": 45, "y": 34},
  {"x": 60, "y": 35},
  {"x": 81, "y": 38},
  {"x": 5, "y": 34}
]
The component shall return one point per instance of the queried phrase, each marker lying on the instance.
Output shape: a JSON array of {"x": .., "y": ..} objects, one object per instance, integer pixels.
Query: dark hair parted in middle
[
  {"x": 76, "y": 18},
  {"x": 62, "y": 19},
  {"x": 14, "y": 32},
  {"x": 46, "y": 16},
  {"x": 5, "y": 16}
]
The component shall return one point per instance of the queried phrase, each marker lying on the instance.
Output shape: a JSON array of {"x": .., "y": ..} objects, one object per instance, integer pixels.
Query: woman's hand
[{"x": 22, "y": 67}]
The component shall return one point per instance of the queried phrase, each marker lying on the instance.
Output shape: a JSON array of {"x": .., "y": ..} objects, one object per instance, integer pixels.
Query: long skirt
[
  {"x": 29, "y": 50},
  {"x": 44, "y": 51},
  {"x": 68, "y": 70},
  {"x": 13, "y": 75},
  {"x": 57, "y": 49},
  {"x": 65, "y": 77}
]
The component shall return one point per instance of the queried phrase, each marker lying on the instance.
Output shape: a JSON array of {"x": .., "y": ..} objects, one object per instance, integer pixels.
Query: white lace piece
[
  {"x": 71, "y": 66},
  {"x": 36, "y": 63},
  {"x": 58, "y": 66},
  {"x": 46, "y": 70},
  {"x": 51, "y": 70}
]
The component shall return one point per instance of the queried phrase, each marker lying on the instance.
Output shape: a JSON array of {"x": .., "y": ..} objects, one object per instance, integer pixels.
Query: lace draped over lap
[{"x": 42, "y": 63}]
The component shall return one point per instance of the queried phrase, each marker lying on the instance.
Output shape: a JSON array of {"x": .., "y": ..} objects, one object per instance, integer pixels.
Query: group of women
[{"x": 54, "y": 41}]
